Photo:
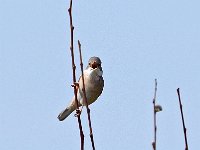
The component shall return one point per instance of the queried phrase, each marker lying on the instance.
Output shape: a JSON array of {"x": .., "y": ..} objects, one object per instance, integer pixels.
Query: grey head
[{"x": 94, "y": 62}]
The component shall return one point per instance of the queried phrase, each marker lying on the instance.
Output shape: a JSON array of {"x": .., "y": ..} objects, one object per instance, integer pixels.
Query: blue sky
[{"x": 137, "y": 41}]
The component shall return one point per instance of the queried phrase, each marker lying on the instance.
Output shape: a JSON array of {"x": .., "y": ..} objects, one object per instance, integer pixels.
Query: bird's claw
[
  {"x": 78, "y": 113},
  {"x": 76, "y": 84}
]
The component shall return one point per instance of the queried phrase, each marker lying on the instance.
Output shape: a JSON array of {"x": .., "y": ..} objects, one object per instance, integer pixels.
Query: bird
[{"x": 94, "y": 84}]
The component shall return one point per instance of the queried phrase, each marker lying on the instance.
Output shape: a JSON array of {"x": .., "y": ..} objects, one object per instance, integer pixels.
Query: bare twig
[
  {"x": 184, "y": 128},
  {"x": 85, "y": 98},
  {"x": 74, "y": 76},
  {"x": 154, "y": 114}
]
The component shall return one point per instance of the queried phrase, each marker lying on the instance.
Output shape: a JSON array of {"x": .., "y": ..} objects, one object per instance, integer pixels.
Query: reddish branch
[
  {"x": 85, "y": 98},
  {"x": 184, "y": 128},
  {"x": 154, "y": 113},
  {"x": 74, "y": 76}
]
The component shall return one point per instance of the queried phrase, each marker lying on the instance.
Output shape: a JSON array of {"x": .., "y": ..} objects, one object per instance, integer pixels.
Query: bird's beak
[{"x": 94, "y": 65}]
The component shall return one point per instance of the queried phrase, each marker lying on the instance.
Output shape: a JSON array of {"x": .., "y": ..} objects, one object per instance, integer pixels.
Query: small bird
[{"x": 94, "y": 84}]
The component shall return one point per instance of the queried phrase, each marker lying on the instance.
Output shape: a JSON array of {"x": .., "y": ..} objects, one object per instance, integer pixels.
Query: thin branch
[
  {"x": 74, "y": 76},
  {"x": 154, "y": 114},
  {"x": 184, "y": 128},
  {"x": 85, "y": 98}
]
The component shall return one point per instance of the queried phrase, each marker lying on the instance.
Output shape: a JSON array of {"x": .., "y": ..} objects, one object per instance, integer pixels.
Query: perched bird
[{"x": 93, "y": 87}]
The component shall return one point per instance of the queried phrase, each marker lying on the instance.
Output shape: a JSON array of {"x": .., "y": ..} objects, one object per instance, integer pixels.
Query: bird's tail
[{"x": 65, "y": 113}]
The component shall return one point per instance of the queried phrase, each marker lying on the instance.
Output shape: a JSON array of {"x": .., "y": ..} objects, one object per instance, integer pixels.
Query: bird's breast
[{"x": 93, "y": 86}]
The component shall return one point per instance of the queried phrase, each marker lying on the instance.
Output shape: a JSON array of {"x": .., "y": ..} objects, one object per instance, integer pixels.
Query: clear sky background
[{"x": 137, "y": 40}]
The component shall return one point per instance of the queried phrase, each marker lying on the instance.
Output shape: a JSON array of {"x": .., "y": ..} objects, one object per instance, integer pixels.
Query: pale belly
[{"x": 93, "y": 87}]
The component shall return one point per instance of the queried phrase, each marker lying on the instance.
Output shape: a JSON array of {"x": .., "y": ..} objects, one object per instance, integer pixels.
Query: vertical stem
[
  {"x": 85, "y": 98},
  {"x": 74, "y": 76},
  {"x": 182, "y": 117},
  {"x": 154, "y": 114}
]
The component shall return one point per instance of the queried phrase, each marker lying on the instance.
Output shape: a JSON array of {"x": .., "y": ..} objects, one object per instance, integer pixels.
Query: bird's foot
[
  {"x": 76, "y": 84},
  {"x": 78, "y": 112}
]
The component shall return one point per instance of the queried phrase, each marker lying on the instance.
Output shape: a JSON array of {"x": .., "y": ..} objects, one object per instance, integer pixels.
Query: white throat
[{"x": 91, "y": 71}]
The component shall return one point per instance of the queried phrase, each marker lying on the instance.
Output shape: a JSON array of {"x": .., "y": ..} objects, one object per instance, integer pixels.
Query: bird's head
[{"x": 94, "y": 64}]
